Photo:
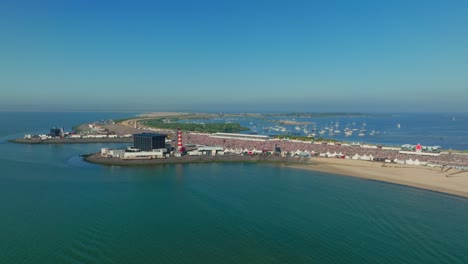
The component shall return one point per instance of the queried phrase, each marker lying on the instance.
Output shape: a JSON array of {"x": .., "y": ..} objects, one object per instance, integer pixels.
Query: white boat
[
  {"x": 398, "y": 125},
  {"x": 361, "y": 134}
]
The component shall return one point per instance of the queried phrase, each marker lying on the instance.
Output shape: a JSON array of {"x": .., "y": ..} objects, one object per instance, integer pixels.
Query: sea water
[
  {"x": 447, "y": 130},
  {"x": 56, "y": 208}
]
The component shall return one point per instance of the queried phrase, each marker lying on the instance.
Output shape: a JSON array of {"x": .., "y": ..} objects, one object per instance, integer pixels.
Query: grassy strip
[
  {"x": 76, "y": 128},
  {"x": 208, "y": 128}
]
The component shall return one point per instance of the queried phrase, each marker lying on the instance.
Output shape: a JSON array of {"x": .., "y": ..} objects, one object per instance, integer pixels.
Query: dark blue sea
[{"x": 55, "y": 208}]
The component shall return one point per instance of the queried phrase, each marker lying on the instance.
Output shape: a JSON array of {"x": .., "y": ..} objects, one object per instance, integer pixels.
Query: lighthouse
[{"x": 179, "y": 140}]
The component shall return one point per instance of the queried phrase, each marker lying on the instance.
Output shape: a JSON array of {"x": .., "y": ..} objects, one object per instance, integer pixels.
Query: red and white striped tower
[{"x": 179, "y": 139}]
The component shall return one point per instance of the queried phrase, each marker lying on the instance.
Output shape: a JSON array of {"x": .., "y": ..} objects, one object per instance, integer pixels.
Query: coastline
[
  {"x": 98, "y": 159},
  {"x": 72, "y": 140},
  {"x": 449, "y": 181}
]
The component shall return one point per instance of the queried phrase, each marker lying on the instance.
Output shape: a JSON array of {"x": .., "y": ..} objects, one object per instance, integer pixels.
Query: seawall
[
  {"x": 98, "y": 159},
  {"x": 73, "y": 140}
]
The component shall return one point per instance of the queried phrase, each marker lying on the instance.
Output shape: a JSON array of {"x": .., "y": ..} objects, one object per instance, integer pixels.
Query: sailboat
[{"x": 348, "y": 132}]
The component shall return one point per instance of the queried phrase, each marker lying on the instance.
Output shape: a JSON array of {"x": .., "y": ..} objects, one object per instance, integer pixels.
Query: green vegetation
[
  {"x": 209, "y": 128},
  {"x": 80, "y": 128}
]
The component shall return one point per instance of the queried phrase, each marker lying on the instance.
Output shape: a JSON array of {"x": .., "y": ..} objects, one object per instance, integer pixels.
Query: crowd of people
[
  {"x": 242, "y": 145},
  {"x": 292, "y": 147}
]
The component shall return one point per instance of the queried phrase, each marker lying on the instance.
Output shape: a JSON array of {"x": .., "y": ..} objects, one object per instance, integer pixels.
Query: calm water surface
[{"x": 55, "y": 208}]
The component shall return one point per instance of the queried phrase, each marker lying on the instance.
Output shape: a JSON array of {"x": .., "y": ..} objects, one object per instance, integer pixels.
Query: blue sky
[{"x": 239, "y": 55}]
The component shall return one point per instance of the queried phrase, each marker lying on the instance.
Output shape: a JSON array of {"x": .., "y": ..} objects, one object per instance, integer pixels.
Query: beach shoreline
[{"x": 449, "y": 181}]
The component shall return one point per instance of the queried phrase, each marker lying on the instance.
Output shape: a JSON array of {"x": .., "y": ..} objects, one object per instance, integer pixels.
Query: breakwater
[
  {"x": 97, "y": 158},
  {"x": 73, "y": 140}
]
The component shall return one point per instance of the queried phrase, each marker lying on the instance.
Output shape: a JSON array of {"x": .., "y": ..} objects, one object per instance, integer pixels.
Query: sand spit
[
  {"x": 162, "y": 114},
  {"x": 443, "y": 180}
]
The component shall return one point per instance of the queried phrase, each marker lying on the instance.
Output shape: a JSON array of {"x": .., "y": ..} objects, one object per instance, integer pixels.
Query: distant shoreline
[{"x": 449, "y": 181}]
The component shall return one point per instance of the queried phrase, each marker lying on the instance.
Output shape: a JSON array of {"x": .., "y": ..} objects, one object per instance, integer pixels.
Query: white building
[{"x": 154, "y": 154}]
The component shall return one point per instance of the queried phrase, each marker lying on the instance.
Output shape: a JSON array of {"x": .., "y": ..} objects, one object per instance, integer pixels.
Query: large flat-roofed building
[
  {"x": 149, "y": 141},
  {"x": 56, "y": 132}
]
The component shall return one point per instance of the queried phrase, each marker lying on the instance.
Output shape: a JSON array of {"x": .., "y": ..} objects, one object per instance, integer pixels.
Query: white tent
[{"x": 365, "y": 157}]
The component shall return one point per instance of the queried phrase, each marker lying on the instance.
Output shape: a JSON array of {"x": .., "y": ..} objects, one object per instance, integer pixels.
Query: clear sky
[{"x": 234, "y": 55}]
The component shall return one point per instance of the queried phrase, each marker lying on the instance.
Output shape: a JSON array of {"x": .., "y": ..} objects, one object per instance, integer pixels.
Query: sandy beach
[{"x": 449, "y": 181}]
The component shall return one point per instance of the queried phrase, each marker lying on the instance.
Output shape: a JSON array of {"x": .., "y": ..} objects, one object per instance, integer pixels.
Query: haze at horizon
[{"x": 299, "y": 56}]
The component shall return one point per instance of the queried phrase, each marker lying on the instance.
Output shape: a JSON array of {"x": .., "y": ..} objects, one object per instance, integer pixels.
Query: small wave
[
  {"x": 90, "y": 245},
  {"x": 78, "y": 161}
]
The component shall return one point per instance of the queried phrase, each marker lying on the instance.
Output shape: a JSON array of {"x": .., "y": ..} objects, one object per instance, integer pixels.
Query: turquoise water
[{"x": 55, "y": 208}]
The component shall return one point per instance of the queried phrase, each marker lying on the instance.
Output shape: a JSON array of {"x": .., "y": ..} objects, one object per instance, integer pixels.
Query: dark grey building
[
  {"x": 56, "y": 132},
  {"x": 149, "y": 141}
]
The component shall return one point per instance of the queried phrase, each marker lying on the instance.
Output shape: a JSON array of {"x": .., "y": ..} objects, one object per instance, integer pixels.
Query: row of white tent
[{"x": 332, "y": 155}]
